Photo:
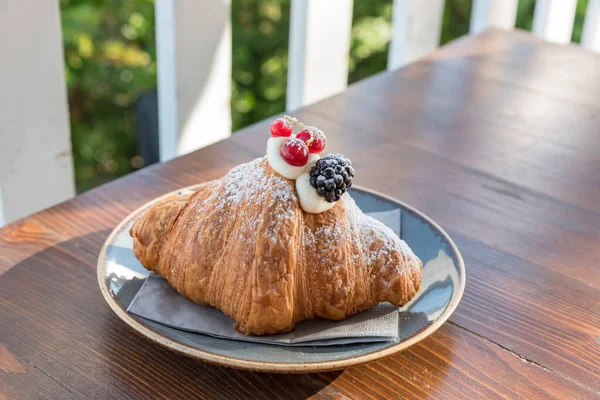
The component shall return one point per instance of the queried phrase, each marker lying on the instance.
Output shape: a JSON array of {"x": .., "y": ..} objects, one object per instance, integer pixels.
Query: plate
[{"x": 120, "y": 275}]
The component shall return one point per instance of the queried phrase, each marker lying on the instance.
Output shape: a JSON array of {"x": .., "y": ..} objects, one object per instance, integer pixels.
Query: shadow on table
[{"x": 56, "y": 319}]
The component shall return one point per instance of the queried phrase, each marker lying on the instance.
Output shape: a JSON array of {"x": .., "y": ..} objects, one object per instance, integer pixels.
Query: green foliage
[
  {"x": 110, "y": 59},
  {"x": 370, "y": 38},
  {"x": 525, "y": 14},
  {"x": 457, "y": 17},
  {"x": 525, "y": 17},
  {"x": 259, "y": 59},
  {"x": 579, "y": 18}
]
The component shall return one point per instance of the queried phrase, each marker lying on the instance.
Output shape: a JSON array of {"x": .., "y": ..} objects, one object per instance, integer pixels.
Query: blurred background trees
[{"x": 110, "y": 61}]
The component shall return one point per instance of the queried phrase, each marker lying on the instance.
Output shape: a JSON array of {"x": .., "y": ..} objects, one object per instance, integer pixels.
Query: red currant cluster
[{"x": 295, "y": 150}]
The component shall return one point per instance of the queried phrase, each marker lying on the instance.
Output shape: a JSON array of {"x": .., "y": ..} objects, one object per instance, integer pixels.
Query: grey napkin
[{"x": 159, "y": 302}]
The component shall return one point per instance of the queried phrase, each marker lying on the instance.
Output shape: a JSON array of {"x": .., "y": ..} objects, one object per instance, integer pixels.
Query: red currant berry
[
  {"x": 314, "y": 139},
  {"x": 281, "y": 127},
  {"x": 294, "y": 152}
]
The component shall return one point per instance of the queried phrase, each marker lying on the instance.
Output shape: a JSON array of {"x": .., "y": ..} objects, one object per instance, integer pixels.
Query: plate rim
[{"x": 266, "y": 366}]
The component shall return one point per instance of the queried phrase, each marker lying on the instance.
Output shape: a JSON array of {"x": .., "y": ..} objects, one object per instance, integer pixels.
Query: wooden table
[{"x": 496, "y": 137}]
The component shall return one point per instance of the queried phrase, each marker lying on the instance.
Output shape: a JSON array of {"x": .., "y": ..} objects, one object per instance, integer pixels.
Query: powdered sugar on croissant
[{"x": 244, "y": 245}]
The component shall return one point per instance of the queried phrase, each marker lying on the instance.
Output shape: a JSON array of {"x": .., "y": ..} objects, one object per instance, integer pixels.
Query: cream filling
[
  {"x": 310, "y": 201},
  {"x": 280, "y": 165}
]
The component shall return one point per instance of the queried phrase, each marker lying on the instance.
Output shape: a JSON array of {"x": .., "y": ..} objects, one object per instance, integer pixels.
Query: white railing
[
  {"x": 318, "y": 52},
  {"x": 36, "y": 167},
  {"x": 193, "y": 43},
  {"x": 194, "y": 69},
  {"x": 486, "y": 13}
]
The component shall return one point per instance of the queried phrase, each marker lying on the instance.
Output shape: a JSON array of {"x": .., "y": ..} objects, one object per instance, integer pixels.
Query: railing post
[
  {"x": 416, "y": 30},
  {"x": 319, "y": 50},
  {"x": 493, "y": 13},
  {"x": 36, "y": 166},
  {"x": 590, "y": 37},
  {"x": 2, "y": 217},
  {"x": 168, "y": 124},
  {"x": 194, "y": 74},
  {"x": 553, "y": 19}
]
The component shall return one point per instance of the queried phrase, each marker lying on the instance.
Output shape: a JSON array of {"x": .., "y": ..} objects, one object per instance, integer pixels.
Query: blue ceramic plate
[{"x": 120, "y": 276}]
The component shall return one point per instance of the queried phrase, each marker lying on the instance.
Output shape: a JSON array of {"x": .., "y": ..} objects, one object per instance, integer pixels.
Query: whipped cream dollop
[
  {"x": 332, "y": 175},
  {"x": 310, "y": 201},
  {"x": 280, "y": 165}
]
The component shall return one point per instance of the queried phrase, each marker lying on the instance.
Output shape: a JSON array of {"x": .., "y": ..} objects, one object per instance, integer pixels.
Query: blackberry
[{"x": 332, "y": 175}]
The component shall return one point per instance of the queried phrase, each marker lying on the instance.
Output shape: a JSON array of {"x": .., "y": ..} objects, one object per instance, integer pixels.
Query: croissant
[{"x": 244, "y": 245}]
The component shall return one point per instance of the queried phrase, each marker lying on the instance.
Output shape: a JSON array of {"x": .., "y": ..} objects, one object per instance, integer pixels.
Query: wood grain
[
  {"x": 550, "y": 244},
  {"x": 74, "y": 338},
  {"x": 494, "y": 136},
  {"x": 23, "y": 239}
]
